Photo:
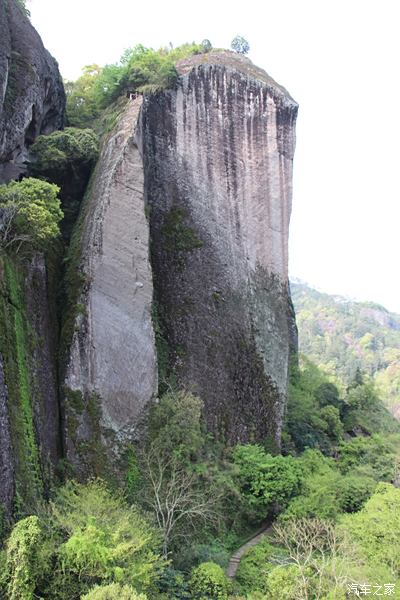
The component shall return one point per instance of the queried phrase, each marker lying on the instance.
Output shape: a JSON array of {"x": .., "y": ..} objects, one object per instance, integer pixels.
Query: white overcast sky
[{"x": 339, "y": 59}]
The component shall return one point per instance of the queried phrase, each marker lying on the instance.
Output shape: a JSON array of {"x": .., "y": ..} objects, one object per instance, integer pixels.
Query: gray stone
[
  {"x": 112, "y": 356},
  {"x": 218, "y": 178},
  {"x": 32, "y": 98}
]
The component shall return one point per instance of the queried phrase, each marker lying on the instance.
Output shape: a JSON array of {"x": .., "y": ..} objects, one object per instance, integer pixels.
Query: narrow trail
[{"x": 235, "y": 558}]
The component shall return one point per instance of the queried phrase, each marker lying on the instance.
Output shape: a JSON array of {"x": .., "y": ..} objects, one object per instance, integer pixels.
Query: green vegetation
[
  {"x": 85, "y": 537},
  {"x": 140, "y": 69},
  {"x": 30, "y": 214},
  {"x": 343, "y": 337},
  {"x": 56, "y": 154},
  {"x": 66, "y": 158},
  {"x": 113, "y": 591},
  {"x": 209, "y": 581},
  {"x": 22, "y": 5},
  {"x": 16, "y": 344}
]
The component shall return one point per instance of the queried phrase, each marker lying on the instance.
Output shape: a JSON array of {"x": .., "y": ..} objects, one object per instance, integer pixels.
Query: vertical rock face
[
  {"x": 7, "y": 471},
  {"x": 218, "y": 157},
  {"x": 29, "y": 418},
  {"x": 32, "y": 98},
  {"x": 111, "y": 371}
]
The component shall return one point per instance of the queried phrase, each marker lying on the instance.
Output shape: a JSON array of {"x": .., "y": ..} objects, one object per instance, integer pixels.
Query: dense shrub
[
  {"x": 25, "y": 561},
  {"x": 267, "y": 482},
  {"x": 30, "y": 214},
  {"x": 208, "y": 580},
  {"x": 53, "y": 154}
]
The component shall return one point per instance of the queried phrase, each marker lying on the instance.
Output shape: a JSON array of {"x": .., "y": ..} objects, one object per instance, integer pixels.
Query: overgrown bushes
[{"x": 30, "y": 214}]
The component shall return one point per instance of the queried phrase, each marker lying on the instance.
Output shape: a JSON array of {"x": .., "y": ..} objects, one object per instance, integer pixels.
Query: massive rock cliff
[
  {"x": 32, "y": 96},
  {"x": 215, "y": 157},
  {"x": 218, "y": 157},
  {"x": 111, "y": 369}
]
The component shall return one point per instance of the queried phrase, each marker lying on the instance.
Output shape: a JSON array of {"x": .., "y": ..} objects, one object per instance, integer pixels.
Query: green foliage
[
  {"x": 353, "y": 491},
  {"x": 266, "y": 481},
  {"x": 24, "y": 560},
  {"x": 374, "y": 456},
  {"x": 256, "y": 565},
  {"x": 240, "y": 45},
  {"x": 29, "y": 214},
  {"x": 176, "y": 425},
  {"x": 16, "y": 345},
  {"x": 133, "y": 475},
  {"x": 92, "y": 537},
  {"x": 376, "y": 528},
  {"x": 208, "y": 580},
  {"x": 325, "y": 492},
  {"x": 22, "y": 5},
  {"x": 113, "y": 591},
  {"x": 54, "y": 153},
  {"x": 82, "y": 105},
  {"x": 283, "y": 582},
  {"x": 140, "y": 69},
  {"x": 341, "y": 336}
]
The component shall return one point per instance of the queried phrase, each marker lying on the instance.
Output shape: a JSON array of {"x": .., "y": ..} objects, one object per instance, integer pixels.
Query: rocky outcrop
[
  {"x": 111, "y": 370},
  {"x": 32, "y": 98},
  {"x": 212, "y": 161},
  {"x": 218, "y": 157}
]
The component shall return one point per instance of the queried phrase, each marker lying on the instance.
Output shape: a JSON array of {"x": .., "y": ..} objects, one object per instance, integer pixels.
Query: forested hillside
[{"x": 342, "y": 337}]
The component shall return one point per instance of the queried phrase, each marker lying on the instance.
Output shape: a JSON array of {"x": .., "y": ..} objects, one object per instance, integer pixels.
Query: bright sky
[{"x": 340, "y": 61}]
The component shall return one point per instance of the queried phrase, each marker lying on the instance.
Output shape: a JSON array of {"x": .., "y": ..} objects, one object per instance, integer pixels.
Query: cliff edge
[{"x": 32, "y": 98}]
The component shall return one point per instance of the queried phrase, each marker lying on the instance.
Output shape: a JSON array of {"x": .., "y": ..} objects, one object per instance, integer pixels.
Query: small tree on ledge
[{"x": 240, "y": 45}]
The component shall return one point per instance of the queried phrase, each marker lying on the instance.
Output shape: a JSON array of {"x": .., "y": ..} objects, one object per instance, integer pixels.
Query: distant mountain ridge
[{"x": 342, "y": 335}]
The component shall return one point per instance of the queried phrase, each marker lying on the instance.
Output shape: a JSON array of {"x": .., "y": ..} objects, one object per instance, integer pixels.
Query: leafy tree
[
  {"x": 267, "y": 482},
  {"x": 240, "y": 45},
  {"x": 29, "y": 214},
  {"x": 174, "y": 489},
  {"x": 206, "y": 45},
  {"x": 208, "y": 580},
  {"x": 82, "y": 104}
]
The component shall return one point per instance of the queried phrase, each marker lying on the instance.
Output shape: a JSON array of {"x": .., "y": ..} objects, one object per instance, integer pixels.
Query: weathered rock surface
[
  {"x": 40, "y": 312},
  {"x": 218, "y": 157},
  {"x": 7, "y": 472},
  {"x": 32, "y": 98},
  {"x": 30, "y": 432},
  {"x": 111, "y": 372}
]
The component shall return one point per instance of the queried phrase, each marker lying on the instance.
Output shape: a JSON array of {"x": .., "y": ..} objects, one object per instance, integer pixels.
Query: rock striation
[
  {"x": 111, "y": 367},
  {"x": 183, "y": 259},
  {"x": 32, "y": 98},
  {"x": 218, "y": 155}
]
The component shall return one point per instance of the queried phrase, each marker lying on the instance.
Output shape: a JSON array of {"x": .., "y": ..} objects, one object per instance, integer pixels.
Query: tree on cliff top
[{"x": 240, "y": 45}]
